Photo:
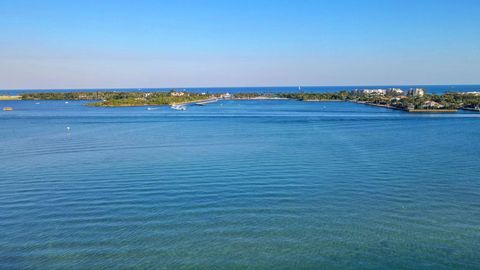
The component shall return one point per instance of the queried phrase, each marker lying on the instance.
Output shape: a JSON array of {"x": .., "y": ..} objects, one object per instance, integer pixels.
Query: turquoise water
[{"x": 238, "y": 185}]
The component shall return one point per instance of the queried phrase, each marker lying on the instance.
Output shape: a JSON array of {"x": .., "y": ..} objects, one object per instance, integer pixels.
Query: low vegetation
[
  {"x": 447, "y": 101},
  {"x": 121, "y": 98}
]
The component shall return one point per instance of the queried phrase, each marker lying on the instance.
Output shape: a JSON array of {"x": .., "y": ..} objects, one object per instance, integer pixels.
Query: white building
[
  {"x": 176, "y": 94},
  {"x": 374, "y": 91},
  {"x": 416, "y": 92},
  {"x": 226, "y": 96},
  {"x": 396, "y": 91},
  {"x": 475, "y": 93},
  {"x": 432, "y": 105}
]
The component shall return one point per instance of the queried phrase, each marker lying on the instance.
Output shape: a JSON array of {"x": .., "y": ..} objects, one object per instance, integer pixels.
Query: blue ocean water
[{"x": 238, "y": 185}]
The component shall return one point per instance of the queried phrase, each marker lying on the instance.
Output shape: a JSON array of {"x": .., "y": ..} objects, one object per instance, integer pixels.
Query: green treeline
[
  {"x": 121, "y": 98},
  {"x": 447, "y": 101},
  {"x": 342, "y": 95}
]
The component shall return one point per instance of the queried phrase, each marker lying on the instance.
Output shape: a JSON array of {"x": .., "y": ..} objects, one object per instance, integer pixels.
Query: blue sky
[{"x": 90, "y": 44}]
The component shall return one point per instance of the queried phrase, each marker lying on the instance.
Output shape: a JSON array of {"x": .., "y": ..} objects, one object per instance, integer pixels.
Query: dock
[
  {"x": 205, "y": 102},
  {"x": 382, "y": 106},
  {"x": 471, "y": 109},
  {"x": 431, "y": 110}
]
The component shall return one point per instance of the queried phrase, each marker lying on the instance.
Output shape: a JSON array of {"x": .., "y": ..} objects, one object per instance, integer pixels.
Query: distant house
[
  {"x": 394, "y": 91},
  {"x": 416, "y": 92},
  {"x": 432, "y": 105},
  {"x": 176, "y": 94},
  {"x": 374, "y": 91},
  {"x": 397, "y": 98},
  {"x": 474, "y": 93},
  {"x": 226, "y": 96}
]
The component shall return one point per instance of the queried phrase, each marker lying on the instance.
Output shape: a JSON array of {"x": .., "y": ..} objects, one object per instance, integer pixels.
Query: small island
[
  {"x": 415, "y": 100},
  {"x": 122, "y": 99}
]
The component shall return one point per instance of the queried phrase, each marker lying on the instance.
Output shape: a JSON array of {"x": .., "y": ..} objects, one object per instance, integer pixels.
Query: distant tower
[{"x": 416, "y": 92}]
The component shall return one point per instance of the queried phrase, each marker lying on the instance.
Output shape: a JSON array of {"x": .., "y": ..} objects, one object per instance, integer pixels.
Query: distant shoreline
[
  {"x": 10, "y": 97},
  {"x": 414, "y": 101}
]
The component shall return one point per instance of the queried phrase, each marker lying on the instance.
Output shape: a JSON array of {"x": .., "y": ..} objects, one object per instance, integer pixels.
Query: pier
[{"x": 205, "y": 102}]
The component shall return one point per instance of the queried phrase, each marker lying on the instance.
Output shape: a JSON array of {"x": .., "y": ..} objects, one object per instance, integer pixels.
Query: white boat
[
  {"x": 179, "y": 107},
  {"x": 151, "y": 109}
]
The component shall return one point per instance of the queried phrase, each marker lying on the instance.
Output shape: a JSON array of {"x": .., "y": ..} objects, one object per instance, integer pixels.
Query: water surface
[{"x": 236, "y": 185}]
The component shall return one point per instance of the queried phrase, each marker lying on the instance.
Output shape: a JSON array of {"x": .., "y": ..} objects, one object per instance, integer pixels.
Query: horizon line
[{"x": 217, "y": 87}]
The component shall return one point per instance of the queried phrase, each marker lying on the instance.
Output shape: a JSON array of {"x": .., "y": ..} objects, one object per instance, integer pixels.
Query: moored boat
[{"x": 178, "y": 107}]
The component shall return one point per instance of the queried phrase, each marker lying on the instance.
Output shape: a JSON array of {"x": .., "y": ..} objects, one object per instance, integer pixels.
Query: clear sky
[{"x": 199, "y": 43}]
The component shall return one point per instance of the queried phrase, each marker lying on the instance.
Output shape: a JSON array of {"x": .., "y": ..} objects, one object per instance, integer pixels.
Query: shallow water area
[{"x": 238, "y": 184}]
